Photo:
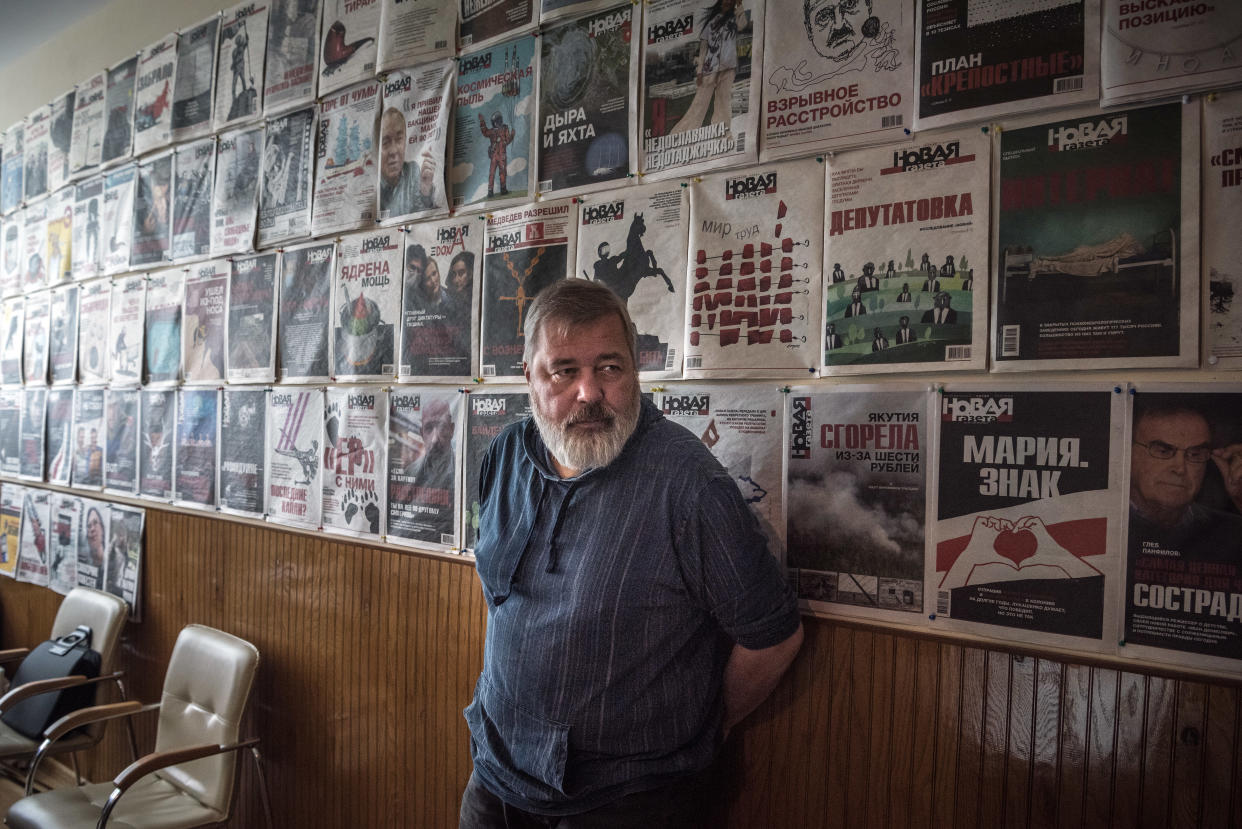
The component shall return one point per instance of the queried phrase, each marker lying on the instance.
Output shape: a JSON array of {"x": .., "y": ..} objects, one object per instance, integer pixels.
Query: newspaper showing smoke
[
  {"x": 60, "y": 236},
  {"x": 423, "y": 435},
  {"x": 243, "y": 451},
  {"x": 203, "y": 322},
  {"x": 1026, "y": 531},
  {"x": 355, "y": 433},
  {"x": 198, "y": 426},
  {"x": 493, "y": 126},
  {"x": 59, "y": 449},
  {"x": 857, "y": 499},
  {"x": 488, "y": 413},
  {"x": 59, "y": 141},
  {"x": 440, "y": 300},
  {"x": 588, "y": 101},
  {"x": 124, "y": 569},
  {"x": 126, "y": 328},
  {"x": 36, "y": 326},
  {"x": 366, "y": 307},
  {"x": 345, "y": 154},
  {"x": 251, "y": 332},
  {"x": 305, "y": 315},
  {"x": 62, "y": 357},
  {"x": 292, "y": 53},
  {"x": 235, "y": 196},
  {"x": 88, "y": 426},
  {"x": 528, "y": 248},
  {"x": 892, "y": 300},
  {"x": 165, "y": 295},
  {"x": 92, "y": 543},
  {"x": 94, "y": 314},
  {"x": 982, "y": 60},
  {"x": 741, "y": 425},
  {"x": 196, "y": 72},
  {"x": 1148, "y": 56},
  {"x": 153, "y": 95},
  {"x": 86, "y": 141},
  {"x": 294, "y": 457},
  {"x": 33, "y": 541},
  {"x": 13, "y": 325},
  {"x": 121, "y": 443},
  {"x": 38, "y": 139},
  {"x": 10, "y": 432},
  {"x": 34, "y": 246},
  {"x": 158, "y": 420},
  {"x": 700, "y": 104},
  {"x": 756, "y": 244},
  {"x": 288, "y": 176},
  {"x": 1222, "y": 251},
  {"x": 11, "y": 268},
  {"x": 414, "y": 131},
  {"x": 195, "y": 181},
  {"x": 1095, "y": 217},
  {"x": 32, "y": 427},
  {"x": 412, "y": 31},
  {"x": 66, "y": 518},
  {"x": 11, "y": 498},
  {"x": 347, "y": 36},
  {"x": 12, "y": 153},
  {"x": 634, "y": 241},
  {"x": 118, "y": 139},
  {"x": 153, "y": 212},
  {"x": 118, "y": 218},
  {"x": 485, "y": 20},
  {"x": 87, "y": 248},
  {"x": 239, "y": 66}
]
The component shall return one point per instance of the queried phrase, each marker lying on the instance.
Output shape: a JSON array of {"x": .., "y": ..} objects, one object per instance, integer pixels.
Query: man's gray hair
[{"x": 570, "y": 303}]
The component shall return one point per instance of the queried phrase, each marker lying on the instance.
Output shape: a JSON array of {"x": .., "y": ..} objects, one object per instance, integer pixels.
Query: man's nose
[{"x": 589, "y": 389}]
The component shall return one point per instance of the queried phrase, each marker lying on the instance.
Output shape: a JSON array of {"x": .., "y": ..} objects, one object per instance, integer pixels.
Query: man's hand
[
  {"x": 1229, "y": 462},
  {"x": 751, "y": 675}
]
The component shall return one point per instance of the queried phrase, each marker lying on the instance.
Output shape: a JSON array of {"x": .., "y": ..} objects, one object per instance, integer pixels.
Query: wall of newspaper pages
[{"x": 276, "y": 263}]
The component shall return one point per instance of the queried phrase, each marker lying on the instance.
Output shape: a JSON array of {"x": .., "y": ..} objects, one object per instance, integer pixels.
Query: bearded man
[{"x": 634, "y": 613}]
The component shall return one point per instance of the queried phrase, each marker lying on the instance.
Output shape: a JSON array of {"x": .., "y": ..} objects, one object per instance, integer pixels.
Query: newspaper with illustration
[
  {"x": 121, "y": 411},
  {"x": 33, "y": 539},
  {"x": 486, "y": 20},
  {"x": 288, "y": 175},
  {"x": 1222, "y": 249},
  {"x": 88, "y": 429},
  {"x": 985, "y": 60},
  {"x": 92, "y": 543},
  {"x": 295, "y": 456},
  {"x": 235, "y": 196},
  {"x": 366, "y": 306},
  {"x": 65, "y": 514},
  {"x": 11, "y": 497},
  {"x": 345, "y": 160},
  {"x": 12, "y": 167},
  {"x": 195, "y": 77},
  {"x": 856, "y": 498},
  {"x": 527, "y": 249},
  {"x": 700, "y": 106},
  {"x": 588, "y": 101},
  {"x": 126, "y": 327},
  {"x": 86, "y": 137},
  {"x": 35, "y": 345},
  {"x": 305, "y": 313},
  {"x": 355, "y": 434},
  {"x": 1025, "y": 539},
  {"x": 87, "y": 247},
  {"x": 94, "y": 314},
  {"x": 489, "y": 409},
  {"x": 152, "y": 224},
  {"x": 634, "y": 241},
  {"x": 203, "y": 321},
  {"x": 756, "y": 254},
  {"x": 10, "y": 432},
  {"x": 251, "y": 331},
  {"x": 62, "y": 354},
  {"x": 117, "y": 221},
  {"x": 414, "y": 128},
  {"x": 195, "y": 179},
  {"x": 243, "y": 451},
  {"x": 153, "y": 95},
  {"x": 11, "y": 266},
  {"x": 34, "y": 246},
  {"x": 494, "y": 124},
  {"x": 413, "y": 31},
  {"x": 32, "y": 428},
  {"x": 123, "y": 574},
  {"x": 839, "y": 75},
  {"x": 906, "y": 279},
  {"x": 59, "y": 445},
  {"x": 158, "y": 421},
  {"x": 239, "y": 65},
  {"x": 162, "y": 334},
  {"x": 59, "y": 141},
  {"x": 440, "y": 300},
  {"x": 1095, "y": 240},
  {"x": 292, "y": 54},
  {"x": 38, "y": 139},
  {"x": 118, "y": 138},
  {"x": 12, "y": 324},
  {"x": 60, "y": 235},
  {"x": 348, "y": 49},
  {"x": 194, "y": 464},
  {"x": 424, "y": 431}
]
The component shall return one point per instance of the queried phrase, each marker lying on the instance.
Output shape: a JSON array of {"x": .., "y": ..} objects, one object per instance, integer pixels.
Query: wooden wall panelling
[
  {"x": 879, "y": 759},
  {"x": 995, "y": 741},
  {"x": 1221, "y": 749},
  {"x": 1046, "y": 743},
  {"x": 859, "y": 685},
  {"x": 1101, "y": 739},
  {"x": 897, "y": 777},
  {"x": 1018, "y": 755},
  {"x": 1075, "y": 716},
  {"x": 1157, "y": 752},
  {"x": 973, "y": 681},
  {"x": 948, "y": 716},
  {"x": 1130, "y": 724},
  {"x": 919, "y": 796}
]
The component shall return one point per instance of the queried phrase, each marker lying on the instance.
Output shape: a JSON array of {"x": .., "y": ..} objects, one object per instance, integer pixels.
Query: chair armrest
[
  {"x": 163, "y": 759},
  {"x": 13, "y": 654},
  {"x": 94, "y": 714},
  {"x": 43, "y": 686}
]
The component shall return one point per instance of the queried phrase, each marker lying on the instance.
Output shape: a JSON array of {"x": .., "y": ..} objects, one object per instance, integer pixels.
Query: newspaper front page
[
  {"x": 486, "y": 20},
  {"x": 152, "y": 224},
  {"x": 347, "y": 43},
  {"x": 162, "y": 335},
  {"x": 305, "y": 316},
  {"x": 1222, "y": 249},
  {"x": 345, "y": 155},
  {"x": 62, "y": 356},
  {"x": 118, "y": 139},
  {"x": 239, "y": 67},
  {"x": 59, "y": 428},
  {"x": 366, "y": 307},
  {"x": 158, "y": 419},
  {"x": 12, "y": 153},
  {"x": 10, "y": 527},
  {"x": 35, "y": 342},
  {"x": 86, "y": 140},
  {"x": 38, "y": 140},
  {"x": 292, "y": 54},
  {"x": 125, "y": 330},
  {"x": 153, "y": 95},
  {"x": 295, "y": 456},
  {"x": 355, "y": 433},
  {"x": 414, "y": 128},
  {"x": 32, "y": 428},
  {"x": 60, "y": 235},
  {"x": 10, "y": 432},
  {"x": 34, "y": 246},
  {"x": 203, "y": 322},
  {"x": 88, "y": 429},
  {"x": 243, "y": 451},
  {"x": 117, "y": 223},
  {"x": 424, "y": 431},
  {"x": 121, "y": 412},
  {"x": 92, "y": 543},
  {"x": 235, "y": 196},
  {"x": 94, "y": 314},
  {"x": 288, "y": 176},
  {"x": 488, "y": 411},
  {"x": 59, "y": 141},
  {"x": 66, "y": 518},
  {"x": 195, "y": 179},
  {"x": 33, "y": 541},
  {"x": 198, "y": 426},
  {"x": 88, "y": 245},
  {"x": 196, "y": 72},
  {"x": 251, "y": 331},
  {"x": 440, "y": 300},
  {"x": 415, "y": 30}
]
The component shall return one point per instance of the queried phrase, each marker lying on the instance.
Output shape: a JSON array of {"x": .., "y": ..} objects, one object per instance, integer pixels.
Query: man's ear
[{"x": 526, "y": 370}]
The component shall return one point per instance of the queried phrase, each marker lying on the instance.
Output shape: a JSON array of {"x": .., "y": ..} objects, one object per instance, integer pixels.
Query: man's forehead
[
  {"x": 585, "y": 342},
  {"x": 1173, "y": 424}
]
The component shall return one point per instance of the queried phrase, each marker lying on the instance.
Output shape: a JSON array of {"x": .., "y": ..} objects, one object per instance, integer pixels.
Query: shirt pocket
[{"x": 526, "y": 751}]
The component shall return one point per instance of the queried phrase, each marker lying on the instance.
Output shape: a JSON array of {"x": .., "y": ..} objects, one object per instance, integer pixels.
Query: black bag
[{"x": 70, "y": 655}]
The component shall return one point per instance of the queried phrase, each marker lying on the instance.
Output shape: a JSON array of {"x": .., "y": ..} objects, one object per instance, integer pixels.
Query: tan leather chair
[
  {"x": 190, "y": 777},
  {"x": 105, "y": 614}
]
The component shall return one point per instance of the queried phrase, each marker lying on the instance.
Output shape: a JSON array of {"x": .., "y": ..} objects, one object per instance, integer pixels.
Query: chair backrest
[
  {"x": 206, "y": 689},
  {"x": 105, "y": 614}
]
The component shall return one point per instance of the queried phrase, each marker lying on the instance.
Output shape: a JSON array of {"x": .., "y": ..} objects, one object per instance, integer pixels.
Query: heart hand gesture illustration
[{"x": 1003, "y": 550}]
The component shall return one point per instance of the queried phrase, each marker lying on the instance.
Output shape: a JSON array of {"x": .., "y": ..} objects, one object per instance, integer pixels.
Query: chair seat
[
  {"x": 151, "y": 802},
  {"x": 13, "y": 744}
]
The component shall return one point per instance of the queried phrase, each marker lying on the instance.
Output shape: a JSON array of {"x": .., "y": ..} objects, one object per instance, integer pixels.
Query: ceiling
[{"x": 27, "y": 24}]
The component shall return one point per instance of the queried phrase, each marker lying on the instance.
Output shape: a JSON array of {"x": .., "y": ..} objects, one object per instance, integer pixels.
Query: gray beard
[{"x": 590, "y": 450}]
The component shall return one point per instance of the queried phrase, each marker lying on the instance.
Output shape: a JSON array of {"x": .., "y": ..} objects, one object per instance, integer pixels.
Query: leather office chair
[
  {"x": 105, "y": 614},
  {"x": 190, "y": 777}
]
